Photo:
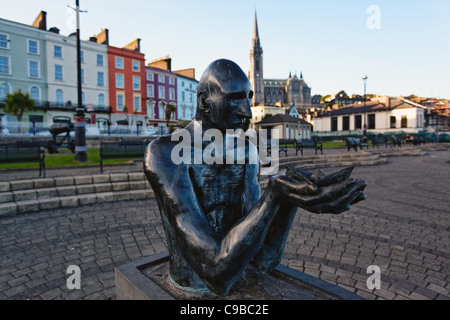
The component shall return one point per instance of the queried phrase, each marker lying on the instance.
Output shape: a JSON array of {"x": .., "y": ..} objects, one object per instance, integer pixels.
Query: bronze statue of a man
[{"x": 215, "y": 218}]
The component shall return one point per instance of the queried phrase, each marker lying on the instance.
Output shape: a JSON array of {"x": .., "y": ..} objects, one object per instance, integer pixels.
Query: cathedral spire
[{"x": 255, "y": 32}]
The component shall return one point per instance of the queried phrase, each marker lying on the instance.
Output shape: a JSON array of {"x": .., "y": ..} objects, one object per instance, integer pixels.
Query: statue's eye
[{"x": 250, "y": 95}]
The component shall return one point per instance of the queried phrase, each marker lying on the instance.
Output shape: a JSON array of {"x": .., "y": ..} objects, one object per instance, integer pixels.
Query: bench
[
  {"x": 284, "y": 144},
  {"x": 122, "y": 150},
  {"x": 393, "y": 141},
  {"x": 315, "y": 144},
  {"x": 22, "y": 152},
  {"x": 355, "y": 143},
  {"x": 377, "y": 140}
]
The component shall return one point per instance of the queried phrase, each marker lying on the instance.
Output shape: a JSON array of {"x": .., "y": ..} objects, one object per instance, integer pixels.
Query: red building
[{"x": 127, "y": 84}]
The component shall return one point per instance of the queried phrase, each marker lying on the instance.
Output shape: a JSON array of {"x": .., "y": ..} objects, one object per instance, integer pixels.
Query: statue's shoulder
[{"x": 158, "y": 152}]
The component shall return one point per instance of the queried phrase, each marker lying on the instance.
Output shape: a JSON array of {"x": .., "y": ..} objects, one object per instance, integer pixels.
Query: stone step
[
  {"x": 59, "y": 182},
  {"x": 35, "y": 205}
]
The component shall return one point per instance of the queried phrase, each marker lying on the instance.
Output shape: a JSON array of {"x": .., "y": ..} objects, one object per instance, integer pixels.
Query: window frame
[
  {"x": 38, "y": 76},
  {"x": 38, "y": 50}
]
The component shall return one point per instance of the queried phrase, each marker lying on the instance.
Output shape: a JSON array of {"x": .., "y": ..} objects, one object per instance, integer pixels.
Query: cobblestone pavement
[{"x": 403, "y": 227}]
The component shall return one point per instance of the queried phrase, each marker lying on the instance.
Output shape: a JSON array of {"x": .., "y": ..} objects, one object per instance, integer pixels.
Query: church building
[{"x": 281, "y": 92}]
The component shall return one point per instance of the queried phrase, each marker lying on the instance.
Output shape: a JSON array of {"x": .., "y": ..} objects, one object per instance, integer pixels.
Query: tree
[
  {"x": 342, "y": 94},
  {"x": 17, "y": 103},
  {"x": 170, "y": 109}
]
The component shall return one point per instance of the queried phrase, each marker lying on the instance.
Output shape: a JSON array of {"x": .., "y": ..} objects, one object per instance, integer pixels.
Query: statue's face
[
  {"x": 230, "y": 106},
  {"x": 225, "y": 96}
]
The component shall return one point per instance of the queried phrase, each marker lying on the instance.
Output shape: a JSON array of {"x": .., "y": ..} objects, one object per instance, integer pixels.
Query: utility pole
[
  {"x": 365, "y": 123},
  {"x": 80, "y": 118}
]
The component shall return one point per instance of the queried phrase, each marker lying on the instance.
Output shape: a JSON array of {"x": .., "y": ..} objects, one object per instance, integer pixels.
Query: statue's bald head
[{"x": 224, "y": 96}]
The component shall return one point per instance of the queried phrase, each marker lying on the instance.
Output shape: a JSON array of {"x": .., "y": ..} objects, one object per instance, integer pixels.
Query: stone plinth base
[{"x": 147, "y": 279}]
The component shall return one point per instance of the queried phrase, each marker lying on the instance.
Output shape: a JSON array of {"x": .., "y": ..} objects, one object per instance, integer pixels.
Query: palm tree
[
  {"x": 171, "y": 108},
  {"x": 17, "y": 103}
]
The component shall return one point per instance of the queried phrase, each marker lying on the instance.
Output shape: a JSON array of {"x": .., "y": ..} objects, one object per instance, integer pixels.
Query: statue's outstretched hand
[{"x": 318, "y": 193}]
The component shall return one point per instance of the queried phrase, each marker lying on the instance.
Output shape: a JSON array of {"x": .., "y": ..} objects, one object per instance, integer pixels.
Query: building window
[
  {"x": 119, "y": 63},
  {"x": 82, "y": 56},
  {"x": 161, "y": 111},
  {"x": 83, "y": 99},
  {"x": 137, "y": 103},
  {"x": 59, "y": 97},
  {"x": 101, "y": 100},
  {"x": 371, "y": 121},
  {"x": 393, "y": 122},
  {"x": 119, "y": 81},
  {"x": 100, "y": 79},
  {"x": 57, "y": 52},
  {"x": 191, "y": 97},
  {"x": 100, "y": 60},
  {"x": 172, "y": 94},
  {"x": 161, "y": 79},
  {"x": 358, "y": 122},
  {"x": 183, "y": 96},
  {"x": 404, "y": 122},
  {"x": 120, "y": 101},
  {"x": 4, "y": 41},
  {"x": 149, "y": 76},
  {"x": 33, "y": 69},
  {"x": 33, "y": 47},
  {"x": 162, "y": 93},
  {"x": 171, "y": 81},
  {"x": 4, "y": 89},
  {"x": 136, "y": 83},
  {"x": 58, "y": 73},
  {"x": 345, "y": 123},
  {"x": 136, "y": 66},
  {"x": 150, "y": 91},
  {"x": 5, "y": 63},
  {"x": 82, "y": 76},
  {"x": 334, "y": 124}
]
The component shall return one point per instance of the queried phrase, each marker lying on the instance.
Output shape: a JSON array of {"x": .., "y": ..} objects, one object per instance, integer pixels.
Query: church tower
[{"x": 256, "y": 67}]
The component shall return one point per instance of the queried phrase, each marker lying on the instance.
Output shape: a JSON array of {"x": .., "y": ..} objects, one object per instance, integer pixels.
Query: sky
[{"x": 403, "y": 46}]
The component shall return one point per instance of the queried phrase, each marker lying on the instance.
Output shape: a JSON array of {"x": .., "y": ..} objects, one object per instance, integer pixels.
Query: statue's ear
[{"x": 202, "y": 101}]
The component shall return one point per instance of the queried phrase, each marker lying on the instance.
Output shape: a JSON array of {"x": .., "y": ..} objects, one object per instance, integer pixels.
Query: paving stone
[
  {"x": 46, "y": 192},
  {"x": 67, "y": 191},
  {"x": 49, "y": 203},
  {"x": 119, "y": 177},
  {"x": 71, "y": 201},
  {"x": 83, "y": 180},
  {"x": 4, "y": 186},
  {"x": 136, "y": 176},
  {"x": 27, "y": 206},
  {"x": 64, "y": 181},
  {"x": 85, "y": 189},
  {"x": 102, "y": 187},
  {"x": 105, "y": 197},
  {"x": 137, "y": 185},
  {"x": 86, "y": 199},
  {"x": 6, "y": 197},
  {"x": 44, "y": 183},
  {"x": 22, "y": 195},
  {"x": 121, "y": 195},
  {"x": 120, "y": 186},
  {"x": 21, "y": 185},
  {"x": 101, "y": 178}
]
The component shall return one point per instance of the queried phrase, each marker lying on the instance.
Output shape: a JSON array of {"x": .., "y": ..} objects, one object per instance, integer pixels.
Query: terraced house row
[{"x": 118, "y": 87}]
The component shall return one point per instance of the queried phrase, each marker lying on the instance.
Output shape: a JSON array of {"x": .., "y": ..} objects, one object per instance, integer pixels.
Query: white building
[
  {"x": 62, "y": 75},
  {"x": 259, "y": 112},
  {"x": 288, "y": 127},
  {"x": 187, "y": 94},
  {"x": 383, "y": 115}
]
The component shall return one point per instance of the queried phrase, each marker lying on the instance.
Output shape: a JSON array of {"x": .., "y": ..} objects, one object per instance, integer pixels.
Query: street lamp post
[
  {"x": 80, "y": 118},
  {"x": 365, "y": 123}
]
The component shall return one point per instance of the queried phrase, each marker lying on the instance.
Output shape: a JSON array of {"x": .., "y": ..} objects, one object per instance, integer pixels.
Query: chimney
[
  {"x": 162, "y": 63},
  {"x": 54, "y": 30},
  {"x": 188, "y": 73},
  {"x": 101, "y": 38},
  {"x": 41, "y": 21},
  {"x": 134, "y": 46}
]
